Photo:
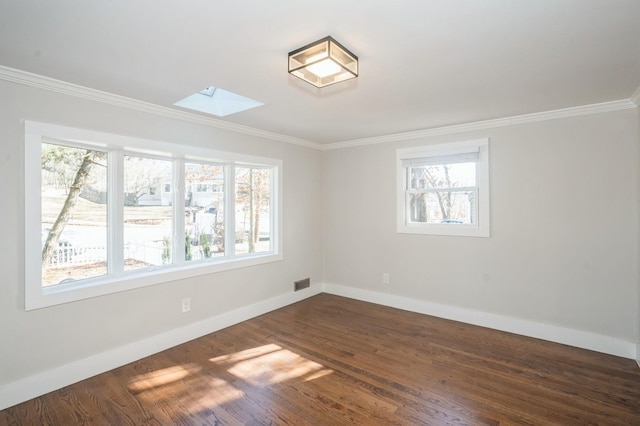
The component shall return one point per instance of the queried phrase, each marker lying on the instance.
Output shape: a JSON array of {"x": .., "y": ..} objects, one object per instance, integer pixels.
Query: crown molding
[
  {"x": 47, "y": 83},
  {"x": 58, "y": 86},
  {"x": 490, "y": 124}
]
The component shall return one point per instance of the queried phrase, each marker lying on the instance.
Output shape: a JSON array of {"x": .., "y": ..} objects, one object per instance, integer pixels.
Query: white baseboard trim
[
  {"x": 56, "y": 378},
  {"x": 552, "y": 333}
]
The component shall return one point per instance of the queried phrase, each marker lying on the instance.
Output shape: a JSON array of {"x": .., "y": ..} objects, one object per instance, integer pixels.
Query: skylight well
[{"x": 216, "y": 101}]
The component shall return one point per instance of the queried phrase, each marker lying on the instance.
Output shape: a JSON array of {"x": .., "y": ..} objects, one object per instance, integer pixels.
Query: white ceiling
[{"x": 423, "y": 63}]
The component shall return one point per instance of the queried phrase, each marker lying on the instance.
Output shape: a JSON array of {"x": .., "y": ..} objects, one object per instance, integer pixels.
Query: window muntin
[
  {"x": 444, "y": 189},
  {"x": 163, "y": 253}
]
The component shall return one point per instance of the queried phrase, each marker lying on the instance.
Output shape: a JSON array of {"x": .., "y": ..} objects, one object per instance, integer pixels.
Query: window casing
[
  {"x": 144, "y": 212},
  {"x": 444, "y": 189}
]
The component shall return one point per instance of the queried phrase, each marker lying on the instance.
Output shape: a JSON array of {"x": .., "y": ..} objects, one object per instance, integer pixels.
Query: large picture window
[
  {"x": 107, "y": 213},
  {"x": 444, "y": 189}
]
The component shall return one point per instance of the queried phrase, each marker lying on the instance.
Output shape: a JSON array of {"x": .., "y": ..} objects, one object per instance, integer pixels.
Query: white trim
[
  {"x": 490, "y": 124},
  {"x": 37, "y": 296},
  {"x": 47, "y": 83},
  {"x": 58, "y": 86},
  {"x": 47, "y": 381},
  {"x": 86, "y": 289},
  {"x": 552, "y": 333},
  {"x": 482, "y": 225}
]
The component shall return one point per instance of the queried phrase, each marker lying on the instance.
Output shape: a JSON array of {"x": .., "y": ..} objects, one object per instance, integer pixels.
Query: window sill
[
  {"x": 42, "y": 297},
  {"x": 453, "y": 230}
]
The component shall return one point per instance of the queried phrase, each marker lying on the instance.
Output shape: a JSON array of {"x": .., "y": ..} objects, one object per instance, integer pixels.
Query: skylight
[{"x": 216, "y": 101}]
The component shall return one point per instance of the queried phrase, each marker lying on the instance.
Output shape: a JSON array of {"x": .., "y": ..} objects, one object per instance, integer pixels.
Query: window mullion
[
  {"x": 230, "y": 211},
  {"x": 273, "y": 199},
  {"x": 178, "y": 203},
  {"x": 115, "y": 197},
  {"x": 407, "y": 203}
]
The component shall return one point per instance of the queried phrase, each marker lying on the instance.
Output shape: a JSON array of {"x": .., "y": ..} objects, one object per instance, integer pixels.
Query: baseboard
[
  {"x": 56, "y": 378},
  {"x": 552, "y": 333}
]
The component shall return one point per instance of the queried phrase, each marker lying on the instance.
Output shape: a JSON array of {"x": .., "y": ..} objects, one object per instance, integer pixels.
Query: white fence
[{"x": 68, "y": 255}]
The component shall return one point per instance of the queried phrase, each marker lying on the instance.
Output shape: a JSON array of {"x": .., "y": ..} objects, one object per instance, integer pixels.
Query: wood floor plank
[{"x": 330, "y": 361}]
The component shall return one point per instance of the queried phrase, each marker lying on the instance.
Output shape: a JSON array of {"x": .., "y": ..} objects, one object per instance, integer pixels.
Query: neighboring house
[
  {"x": 198, "y": 194},
  {"x": 151, "y": 197},
  {"x": 202, "y": 194}
]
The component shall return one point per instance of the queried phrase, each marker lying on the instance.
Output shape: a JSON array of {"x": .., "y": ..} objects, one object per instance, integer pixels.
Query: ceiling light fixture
[{"x": 323, "y": 62}]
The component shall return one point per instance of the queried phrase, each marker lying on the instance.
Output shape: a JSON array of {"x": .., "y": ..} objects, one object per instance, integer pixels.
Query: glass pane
[
  {"x": 204, "y": 211},
  {"x": 454, "y": 207},
  {"x": 74, "y": 214},
  {"x": 253, "y": 201},
  {"x": 147, "y": 212},
  {"x": 443, "y": 176}
]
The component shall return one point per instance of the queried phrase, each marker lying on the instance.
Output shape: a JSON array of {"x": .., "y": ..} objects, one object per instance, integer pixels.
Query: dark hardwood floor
[{"x": 332, "y": 361}]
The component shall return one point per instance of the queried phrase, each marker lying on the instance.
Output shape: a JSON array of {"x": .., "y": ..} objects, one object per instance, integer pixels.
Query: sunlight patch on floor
[
  {"x": 168, "y": 384},
  {"x": 246, "y": 354},
  {"x": 162, "y": 377},
  {"x": 270, "y": 364},
  {"x": 219, "y": 392}
]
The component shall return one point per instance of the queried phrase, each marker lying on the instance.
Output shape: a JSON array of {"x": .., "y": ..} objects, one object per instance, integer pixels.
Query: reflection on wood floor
[{"x": 329, "y": 360}]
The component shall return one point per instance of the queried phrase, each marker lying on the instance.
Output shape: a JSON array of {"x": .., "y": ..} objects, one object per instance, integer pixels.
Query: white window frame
[
  {"x": 117, "y": 146},
  {"x": 482, "y": 226}
]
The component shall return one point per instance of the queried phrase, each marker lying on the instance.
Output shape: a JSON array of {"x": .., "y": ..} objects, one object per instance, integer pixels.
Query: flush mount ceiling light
[{"x": 323, "y": 62}]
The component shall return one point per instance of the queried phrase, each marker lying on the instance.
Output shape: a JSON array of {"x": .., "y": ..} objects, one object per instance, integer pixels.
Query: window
[
  {"x": 148, "y": 219},
  {"x": 107, "y": 213},
  {"x": 252, "y": 209},
  {"x": 79, "y": 230},
  {"x": 444, "y": 189},
  {"x": 204, "y": 225}
]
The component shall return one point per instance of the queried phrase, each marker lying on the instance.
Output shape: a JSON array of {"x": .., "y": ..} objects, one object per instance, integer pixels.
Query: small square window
[{"x": 444, "y": 189}]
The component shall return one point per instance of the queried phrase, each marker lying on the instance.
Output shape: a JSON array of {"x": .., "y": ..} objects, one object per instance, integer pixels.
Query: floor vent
[{"x": 299, "y": 285}]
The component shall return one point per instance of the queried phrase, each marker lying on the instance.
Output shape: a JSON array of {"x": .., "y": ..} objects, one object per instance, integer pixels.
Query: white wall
[
  {"x": 563, "y": 250},
  {"x": 38, "y": 341}
]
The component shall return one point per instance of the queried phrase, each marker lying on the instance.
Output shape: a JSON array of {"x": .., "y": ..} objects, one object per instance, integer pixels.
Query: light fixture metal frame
[{"x": 347, "y": 72}]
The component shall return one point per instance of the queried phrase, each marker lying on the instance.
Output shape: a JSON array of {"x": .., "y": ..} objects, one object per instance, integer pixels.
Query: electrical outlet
[
  {"x": 186, "y": 304},
  {"x": 386, "y": 278}
]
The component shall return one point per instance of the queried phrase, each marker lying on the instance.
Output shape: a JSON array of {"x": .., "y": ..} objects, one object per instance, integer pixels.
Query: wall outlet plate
[{"x": 186, "y": 304}]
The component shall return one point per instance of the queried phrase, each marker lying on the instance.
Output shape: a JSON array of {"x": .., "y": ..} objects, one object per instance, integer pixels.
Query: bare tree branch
[{"x": 72, "y": 197}]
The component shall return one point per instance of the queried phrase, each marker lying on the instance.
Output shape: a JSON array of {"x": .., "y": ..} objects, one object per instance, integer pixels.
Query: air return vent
[{"x": 299, "y": 285}]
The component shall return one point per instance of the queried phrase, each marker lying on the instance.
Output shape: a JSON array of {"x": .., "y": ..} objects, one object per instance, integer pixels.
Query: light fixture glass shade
[{"x": 323, "y": 62}]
